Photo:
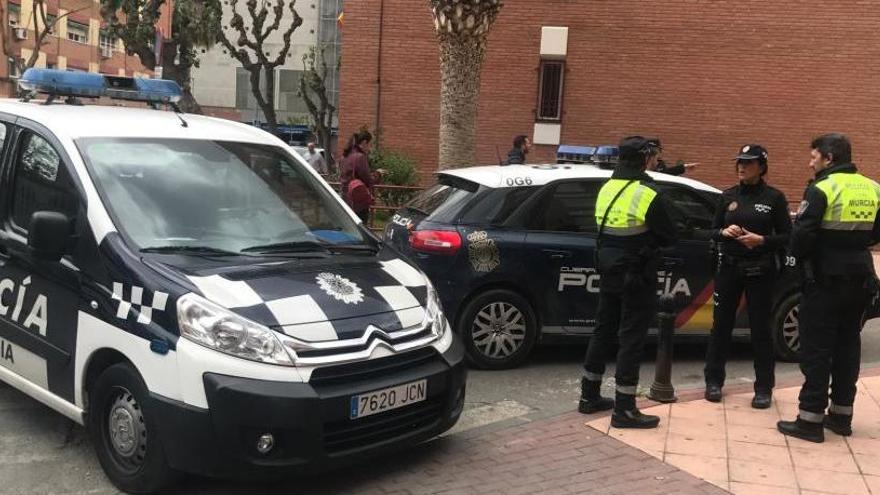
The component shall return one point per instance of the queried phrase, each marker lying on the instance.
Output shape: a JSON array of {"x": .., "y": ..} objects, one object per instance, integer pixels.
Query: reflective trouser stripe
[
  {"x": 847, "y": 226},
  {"x": 625, "y": 231},
  {"x": 593, "y": 377},
  {"x": 844, "y": 410},
  {"x": 811, "y": 417},
  {"x": 627, "y": 390}
]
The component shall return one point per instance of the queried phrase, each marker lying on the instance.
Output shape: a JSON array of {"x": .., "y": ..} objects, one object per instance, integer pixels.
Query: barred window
[{"x": 552, "y": 74}]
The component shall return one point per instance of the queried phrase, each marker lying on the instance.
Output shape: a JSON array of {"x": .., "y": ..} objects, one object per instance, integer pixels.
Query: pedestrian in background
[
  {"x": 316, "y": 160},
  {"x": 521, "y": 147},
  {"x": 751, "y": 228},
  {"x": 354, "y": 174},
  {"x": 634, "y": 223},
  {"x": 836, "y": 223}
]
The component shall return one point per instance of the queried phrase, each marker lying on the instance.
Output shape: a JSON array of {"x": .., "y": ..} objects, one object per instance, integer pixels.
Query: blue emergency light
[
  {"x": 574, "y": 154},
  {"x": 60, "y": 83}
]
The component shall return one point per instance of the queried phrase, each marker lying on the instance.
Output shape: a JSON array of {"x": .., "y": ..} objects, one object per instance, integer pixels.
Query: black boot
[
  {"x": 762, "y": 400},
  {"x": 591, "y": 400},
  {"x": 713, "y": 392},
  {"x": 811, "y": 432},
  {"x": 838, "y": 423},
  {"x": 633, "y": 418}
]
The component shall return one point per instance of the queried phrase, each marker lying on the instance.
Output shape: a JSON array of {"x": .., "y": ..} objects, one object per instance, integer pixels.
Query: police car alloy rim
[
  {"x": 498, "y": 330},
  {"x": 790, "y": 330},
  {"x": 127, "y": 430}
]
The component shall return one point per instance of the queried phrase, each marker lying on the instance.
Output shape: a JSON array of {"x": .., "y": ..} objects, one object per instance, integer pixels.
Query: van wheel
[
  {"x": 499, "y": 329},
  {"x": 786, "y": 329},
  {"x": 124, "y": 434}
]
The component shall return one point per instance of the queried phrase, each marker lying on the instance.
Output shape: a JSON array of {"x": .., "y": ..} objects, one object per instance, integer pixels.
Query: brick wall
[{"x": 706, "y": 77}]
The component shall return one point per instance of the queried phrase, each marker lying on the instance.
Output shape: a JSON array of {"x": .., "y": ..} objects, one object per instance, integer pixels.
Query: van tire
[
  {"x": 133, "y": 459},
  {"x": 507, "y": 313},
  {"x": 786, "y": 328}
]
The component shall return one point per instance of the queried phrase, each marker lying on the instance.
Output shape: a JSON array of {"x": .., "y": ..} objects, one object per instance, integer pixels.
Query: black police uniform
[
  {"x": 677, "y": 169},
  {"x": 627, "y": 301},
  {"x": 760, "y": 209},
  {"x": 839, "y": 279}
]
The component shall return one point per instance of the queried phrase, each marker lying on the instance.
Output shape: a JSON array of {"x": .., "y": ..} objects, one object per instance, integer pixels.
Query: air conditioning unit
[
  {"x": 106, "y": 52},
  {"x": 19, "y": 33}
]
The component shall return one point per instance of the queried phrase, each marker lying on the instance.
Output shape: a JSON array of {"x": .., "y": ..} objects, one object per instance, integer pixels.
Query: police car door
[
  {"x": 38, "y": 299},
  {"x": 690, "y": 271},
  {"x": 561, "y": 239}
]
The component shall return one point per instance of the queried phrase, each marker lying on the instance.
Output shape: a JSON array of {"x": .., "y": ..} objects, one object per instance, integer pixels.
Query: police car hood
[{"x": 322, "y": 300}]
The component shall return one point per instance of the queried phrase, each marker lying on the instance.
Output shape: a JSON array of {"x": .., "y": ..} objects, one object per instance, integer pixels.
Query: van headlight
[
  {"x": 434, "y": 312},
  {"x": 215, "y": 327}
]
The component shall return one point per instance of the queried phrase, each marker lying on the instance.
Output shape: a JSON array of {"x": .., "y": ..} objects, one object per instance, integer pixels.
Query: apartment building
[{"x": 78, "y": 40}]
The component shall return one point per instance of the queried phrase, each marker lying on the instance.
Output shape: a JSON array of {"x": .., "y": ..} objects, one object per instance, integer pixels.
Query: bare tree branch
[{"x": 245, "y": 41}]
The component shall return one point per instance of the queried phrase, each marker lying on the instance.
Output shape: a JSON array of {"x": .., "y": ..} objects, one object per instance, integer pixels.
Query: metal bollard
[{"x": 662, "y": 389}]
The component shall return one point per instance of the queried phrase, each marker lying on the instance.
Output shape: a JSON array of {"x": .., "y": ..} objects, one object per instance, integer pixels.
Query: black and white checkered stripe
[{"x": 394, "y": 297}]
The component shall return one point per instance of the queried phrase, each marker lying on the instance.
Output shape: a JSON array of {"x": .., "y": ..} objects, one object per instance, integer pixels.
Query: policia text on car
[
  {"x": 634, "y": 222},
  {"x": 836, "y": 223},
  {"x": 751, "y": 227}
]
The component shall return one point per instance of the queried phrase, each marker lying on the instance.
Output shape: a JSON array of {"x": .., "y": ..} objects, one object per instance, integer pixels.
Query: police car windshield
[{"x": 218, "y": 195}]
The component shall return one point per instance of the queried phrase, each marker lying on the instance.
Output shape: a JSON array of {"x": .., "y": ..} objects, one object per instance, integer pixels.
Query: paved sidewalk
[
  {"x": 560, "y": 455},
  {"x": 738, "y": 448}
]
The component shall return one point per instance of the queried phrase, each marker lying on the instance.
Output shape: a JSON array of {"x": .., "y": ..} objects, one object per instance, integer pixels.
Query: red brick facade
[
  {"x": 75, "y": 55},
  {"x": 706, "y": 77}
]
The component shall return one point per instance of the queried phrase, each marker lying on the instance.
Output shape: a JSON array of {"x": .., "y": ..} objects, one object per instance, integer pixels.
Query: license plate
[{"x": 388, "y": 399}]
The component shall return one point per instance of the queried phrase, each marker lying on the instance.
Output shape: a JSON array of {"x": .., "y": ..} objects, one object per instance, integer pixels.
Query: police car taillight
[{"x": 435, "y": 241}]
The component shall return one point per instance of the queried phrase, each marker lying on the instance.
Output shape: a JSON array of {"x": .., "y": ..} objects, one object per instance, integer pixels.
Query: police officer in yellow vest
[
  {"x": 634, "y": 222},
  {"x": 836, "y": 223}
]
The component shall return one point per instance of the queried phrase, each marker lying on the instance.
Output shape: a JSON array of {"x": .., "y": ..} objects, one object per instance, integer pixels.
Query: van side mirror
[{"x": 49, "y": 235}]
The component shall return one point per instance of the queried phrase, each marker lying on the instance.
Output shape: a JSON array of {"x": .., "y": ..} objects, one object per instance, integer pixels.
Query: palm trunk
[{"x": 461, "y": 61}]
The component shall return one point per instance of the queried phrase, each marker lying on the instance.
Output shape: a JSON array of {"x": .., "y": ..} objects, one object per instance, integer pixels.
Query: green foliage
[{"x": 399, "y": 170}]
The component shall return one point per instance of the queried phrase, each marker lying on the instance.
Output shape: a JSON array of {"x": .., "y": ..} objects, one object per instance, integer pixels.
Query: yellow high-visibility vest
[
  {"x": 627, "y": 215},
  {"x": 853, "y": 200}
]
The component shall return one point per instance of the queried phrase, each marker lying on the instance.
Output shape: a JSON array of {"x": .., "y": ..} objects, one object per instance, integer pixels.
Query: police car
[
  {"x": 200, "y": 299},
  {"x": 510, "y": 250}
]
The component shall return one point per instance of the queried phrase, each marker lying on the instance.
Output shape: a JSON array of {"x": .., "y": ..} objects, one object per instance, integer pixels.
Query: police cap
[
  {"x": 635, "y": 148},
  {"x": 752, "y": 152}
]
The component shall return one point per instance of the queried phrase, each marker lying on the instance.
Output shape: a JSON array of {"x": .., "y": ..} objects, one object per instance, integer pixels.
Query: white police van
[{"x": 199, "y": 298}]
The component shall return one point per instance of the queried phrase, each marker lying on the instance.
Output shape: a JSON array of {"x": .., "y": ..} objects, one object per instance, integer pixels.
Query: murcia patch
[
  {"x": 762, "y": 208},
  {"x": 732, "y": 206},
  {"x": 340, "y": 288},
  {"x": 483, "y": 252}
]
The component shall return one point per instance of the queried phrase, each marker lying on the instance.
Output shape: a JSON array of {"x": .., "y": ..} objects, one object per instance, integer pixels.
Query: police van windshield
[{"x": 212, "y": 195}]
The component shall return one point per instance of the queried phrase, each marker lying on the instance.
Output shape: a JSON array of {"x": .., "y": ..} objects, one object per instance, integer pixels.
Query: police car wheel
[
  {"x": 120, "y": 429},
  {"x": 499, "y": 329},
  {"x": 786, "y": 325}
]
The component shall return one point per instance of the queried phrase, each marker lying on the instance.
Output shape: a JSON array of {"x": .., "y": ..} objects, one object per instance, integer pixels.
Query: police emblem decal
[
  {"x": 732, "y": 206},
  {"x": 483, "y": 252},
  {"x": 340, "y": 288}
]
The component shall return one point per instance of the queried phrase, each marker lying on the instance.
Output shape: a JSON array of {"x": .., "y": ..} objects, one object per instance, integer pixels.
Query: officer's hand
[
  {"x": 750, "y": 239},
  {"x": 689, "y": 166},
  {"x": 732, "y": 231}
]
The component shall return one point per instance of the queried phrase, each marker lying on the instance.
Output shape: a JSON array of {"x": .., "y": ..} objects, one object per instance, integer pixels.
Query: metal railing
[{"x": 386, "y": 200}]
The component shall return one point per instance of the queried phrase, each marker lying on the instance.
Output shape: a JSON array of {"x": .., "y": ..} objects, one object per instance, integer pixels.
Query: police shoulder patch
[{"x": 732, "y": 206}]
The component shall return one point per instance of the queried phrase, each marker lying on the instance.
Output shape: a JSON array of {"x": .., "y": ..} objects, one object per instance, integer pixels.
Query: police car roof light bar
[{"x": 72, "y": 85}]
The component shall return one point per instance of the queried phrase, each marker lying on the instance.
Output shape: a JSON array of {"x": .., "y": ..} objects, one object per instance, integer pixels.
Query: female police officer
[{"x": 752, "y": 225}]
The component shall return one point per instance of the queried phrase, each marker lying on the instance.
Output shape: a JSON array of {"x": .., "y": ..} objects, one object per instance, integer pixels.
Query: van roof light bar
[{"x": 73, "y": 85}]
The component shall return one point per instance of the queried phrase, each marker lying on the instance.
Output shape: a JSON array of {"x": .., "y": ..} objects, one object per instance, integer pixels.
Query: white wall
[{"x": 214, "y": 80}]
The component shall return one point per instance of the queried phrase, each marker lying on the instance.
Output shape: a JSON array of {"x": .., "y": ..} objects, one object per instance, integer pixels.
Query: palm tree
[{"x": 462, "y": 28}]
